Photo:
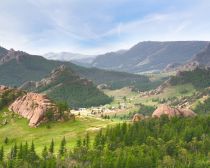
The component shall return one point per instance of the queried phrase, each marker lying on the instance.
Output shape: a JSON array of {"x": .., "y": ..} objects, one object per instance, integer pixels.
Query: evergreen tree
[
  {"x": 79, "y": 142},
  {"x": 51, "y": 149},
  {"x": 6, "y": 140},
  {"x": 1, "y": 153},
  {"x": 25, "y": 151},
  {"x": 32, "y": 153},
  {"x": 44, "y": 153},
  {"x": 13, "y": 152},
  {"x": 62, "y": 149},
  {"x": 87, "y": 140},
  {"x": 20, "y": 152}
]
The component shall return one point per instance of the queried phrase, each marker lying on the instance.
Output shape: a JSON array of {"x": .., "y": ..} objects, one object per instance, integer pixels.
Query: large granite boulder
[
  {"x": 172, "y": 112},
  {"x": 34, "y": 107}
]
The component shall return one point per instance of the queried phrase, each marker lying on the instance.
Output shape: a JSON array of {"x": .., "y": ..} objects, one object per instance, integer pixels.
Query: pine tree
[
  {"x": 6, "y": 140},
  {"x": 1, "y": 153},
  {"x": 44, "y": 153},
  {"x": 79, "y": 142},
  {"x": 51, "y": 149},
  {"x": 25, "y": 151},
  {"x": 62, "y": 149},
  {"x": 13, "y": 152},
  {"x": 87, "y": 140},
  {"x": 32, "y": 149},
  {"x": 32, "y": 153},
  {"x": 20, "y": 152}
]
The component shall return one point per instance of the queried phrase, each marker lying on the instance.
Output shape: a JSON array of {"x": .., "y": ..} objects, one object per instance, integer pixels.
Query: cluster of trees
[
  {"x": 200, "y": 78},
  {"x": 64, "y": 113},
  {"x": 167, "y": 143},
  {"x": 203, "y": 107},
  {"x": 8, "y": 96},
  {"x": 78, "y": 95}
]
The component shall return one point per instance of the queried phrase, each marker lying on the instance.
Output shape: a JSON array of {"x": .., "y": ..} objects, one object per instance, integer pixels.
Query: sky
[{"x": 99, "y": 26}]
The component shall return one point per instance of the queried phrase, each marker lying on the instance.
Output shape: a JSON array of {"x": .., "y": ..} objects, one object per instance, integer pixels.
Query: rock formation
[
  {"x": 3, "y": 88},
  {"x": 34, "y": 107},
  {"x": 12, "y": 54},
  {"x": 171, "y": 67},
  {"x": 172, "y": 112},
  {"x": 137, "y": 117}
]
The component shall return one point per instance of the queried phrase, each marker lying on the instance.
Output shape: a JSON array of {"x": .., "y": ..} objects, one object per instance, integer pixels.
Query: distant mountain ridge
[
  {"x": 203, "y": 58},
  {"x": 200, "y": 60},
  {"x": 79, "y": 59},
  {"x": 150, "y": 56},
  {"x": 66, "y": 56},
  {"x": 22, "y": 67}
]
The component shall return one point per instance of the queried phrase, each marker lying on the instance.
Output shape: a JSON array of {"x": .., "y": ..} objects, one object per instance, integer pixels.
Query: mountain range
[
  {"x": 150, "y": 56},
  {"x": 68, "y": 56},
  {"x": 17, "y": 67}
]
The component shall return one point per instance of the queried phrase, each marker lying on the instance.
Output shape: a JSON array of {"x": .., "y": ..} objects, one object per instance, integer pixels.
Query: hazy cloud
[{"x": 94, "y": 26}]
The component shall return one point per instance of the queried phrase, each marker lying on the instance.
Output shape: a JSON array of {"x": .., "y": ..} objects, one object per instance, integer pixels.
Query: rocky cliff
[
  {"x": 172, "y": 112},
  {"x": 34, "y": 107},
  {"x": 12, "y": 54}
]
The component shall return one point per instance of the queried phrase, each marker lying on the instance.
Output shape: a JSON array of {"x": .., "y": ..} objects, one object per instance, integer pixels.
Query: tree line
[{"x": 153, "y": 143}]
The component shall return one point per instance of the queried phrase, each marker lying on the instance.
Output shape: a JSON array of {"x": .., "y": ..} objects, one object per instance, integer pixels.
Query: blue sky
[{"x": 98, "y": 26}]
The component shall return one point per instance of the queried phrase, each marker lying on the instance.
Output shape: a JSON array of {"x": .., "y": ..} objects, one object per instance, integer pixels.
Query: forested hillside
[
  {"x": 150, "y": 143},
  {"x": 64, "y": 85},
  {"x": 199, "y": 78}
]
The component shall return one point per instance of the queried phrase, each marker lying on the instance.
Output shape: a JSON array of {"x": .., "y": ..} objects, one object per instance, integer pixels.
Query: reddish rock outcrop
[
  {"x": 34, "y": 107},
  {"x": 137, "y": 117},
  {"x": 172, "y": 112}
]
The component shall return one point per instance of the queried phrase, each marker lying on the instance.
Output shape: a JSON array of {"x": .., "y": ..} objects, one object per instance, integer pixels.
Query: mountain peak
[{"x": 11, "y": 54}]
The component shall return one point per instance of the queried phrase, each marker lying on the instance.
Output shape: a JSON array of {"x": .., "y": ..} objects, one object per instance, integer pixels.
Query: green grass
[
  {"x": 134, "y": 98},
  {"x": 17, "y": 130},
  {"x": 178, "y": 91}
]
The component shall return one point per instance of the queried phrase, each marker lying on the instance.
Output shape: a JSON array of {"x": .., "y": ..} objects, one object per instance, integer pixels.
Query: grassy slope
[{"x": 17, "y": 130}]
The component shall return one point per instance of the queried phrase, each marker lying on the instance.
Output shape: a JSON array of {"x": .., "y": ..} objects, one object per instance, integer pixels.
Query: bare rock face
[
  {"x": 172, "y": 112},
  {"x": 137, "y": 118},
  {"x": 171, "y": 67},
  {"x": 34, "y": 107},
  {"x": 12, "y": 54},
  {"x": 3, "y": 88}
]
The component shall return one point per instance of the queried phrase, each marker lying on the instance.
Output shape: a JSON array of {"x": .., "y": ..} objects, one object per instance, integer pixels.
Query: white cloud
[{"x": 94, "y": 26}]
